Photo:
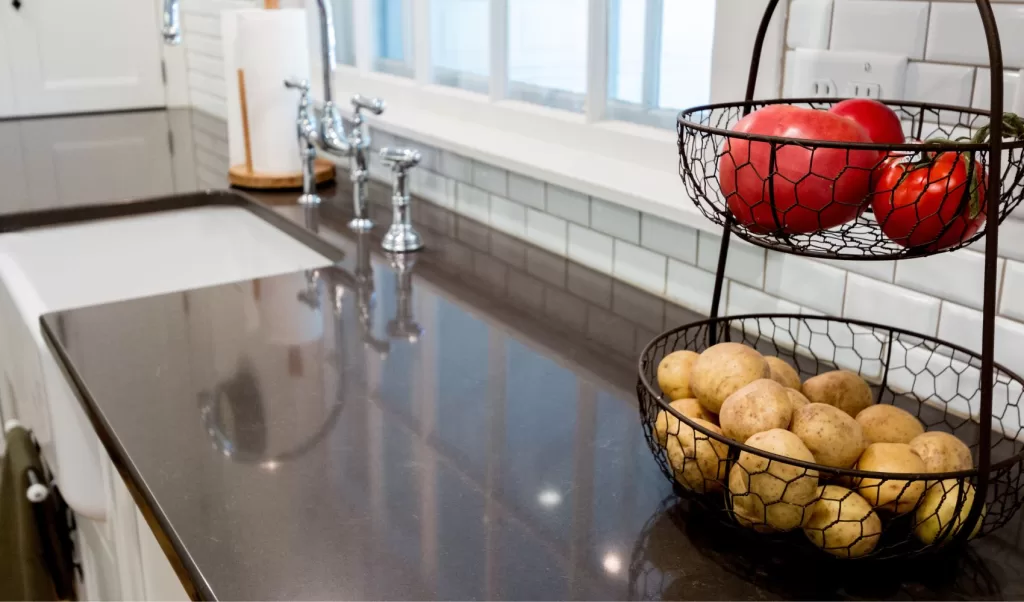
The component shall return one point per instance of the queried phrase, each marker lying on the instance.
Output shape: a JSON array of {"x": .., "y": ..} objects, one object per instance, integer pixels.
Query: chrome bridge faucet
[{"x": 320, "y": 127}]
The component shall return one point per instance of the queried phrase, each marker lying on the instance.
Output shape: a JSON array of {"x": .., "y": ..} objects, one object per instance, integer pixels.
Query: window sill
[{"x": 633, "y": 165}]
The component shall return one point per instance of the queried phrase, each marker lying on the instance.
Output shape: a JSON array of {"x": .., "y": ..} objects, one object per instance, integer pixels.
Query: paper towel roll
[
  {"x": 229, "y": 39},
  {"x": 270, "y": 46}
]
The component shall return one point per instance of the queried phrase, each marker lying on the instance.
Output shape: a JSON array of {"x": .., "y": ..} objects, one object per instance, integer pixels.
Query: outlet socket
[{"x": 822, "y": 73}]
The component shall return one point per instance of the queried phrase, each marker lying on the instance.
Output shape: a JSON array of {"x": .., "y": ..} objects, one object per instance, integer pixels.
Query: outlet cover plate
[{"x": 848, "y": 73}]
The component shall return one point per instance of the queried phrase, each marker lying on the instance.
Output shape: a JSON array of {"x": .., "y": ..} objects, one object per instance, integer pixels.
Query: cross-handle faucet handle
[
  {"x": 361, "y": 103},
  {"x": 400, "y": 159},
  {"x": 295, "y": 83}
]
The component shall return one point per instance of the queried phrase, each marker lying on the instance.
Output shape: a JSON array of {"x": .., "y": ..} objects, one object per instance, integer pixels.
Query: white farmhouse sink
[{"x": 56, "y": 268}]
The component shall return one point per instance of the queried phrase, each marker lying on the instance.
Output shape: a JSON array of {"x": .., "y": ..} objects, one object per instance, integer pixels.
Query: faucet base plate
[
  {"x": 401, "y": 238},
  {"x": 360, "y": 224}
]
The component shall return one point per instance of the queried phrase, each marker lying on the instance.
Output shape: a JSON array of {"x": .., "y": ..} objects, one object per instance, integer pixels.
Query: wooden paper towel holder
[{"x": 243, "y": 175}]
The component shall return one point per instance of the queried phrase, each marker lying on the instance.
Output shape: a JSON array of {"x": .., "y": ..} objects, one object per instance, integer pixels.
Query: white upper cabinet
[{"x": 65, "y": 56}]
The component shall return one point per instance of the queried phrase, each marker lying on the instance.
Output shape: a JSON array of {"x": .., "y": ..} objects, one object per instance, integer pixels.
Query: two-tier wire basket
[{"x": 946, "y": 386}]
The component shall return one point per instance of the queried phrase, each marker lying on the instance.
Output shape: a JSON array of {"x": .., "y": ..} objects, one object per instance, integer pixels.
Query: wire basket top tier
[{"x": 787, "y": 193}]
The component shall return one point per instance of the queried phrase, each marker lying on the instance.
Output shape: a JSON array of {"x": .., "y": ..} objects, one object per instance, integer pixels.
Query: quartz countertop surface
[{"x": 459, "y": 426}]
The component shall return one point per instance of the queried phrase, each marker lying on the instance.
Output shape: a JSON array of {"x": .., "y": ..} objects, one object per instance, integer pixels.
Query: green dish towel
[{"x": 35, "y": 544}]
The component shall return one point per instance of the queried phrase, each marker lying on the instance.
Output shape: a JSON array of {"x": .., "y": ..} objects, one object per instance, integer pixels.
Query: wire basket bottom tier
[
  {"x": 848, "y": 199},
  {"x": 849, "y": 513}
]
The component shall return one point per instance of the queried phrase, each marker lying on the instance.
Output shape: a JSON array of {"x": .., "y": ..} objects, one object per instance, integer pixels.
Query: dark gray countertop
[{"x": 294, "y": 446}]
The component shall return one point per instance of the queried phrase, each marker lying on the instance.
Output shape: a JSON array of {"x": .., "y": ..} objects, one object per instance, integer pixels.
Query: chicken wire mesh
[
  {"x": 846, "y": 512},
  {"x": 678, "y": 548},
  {"x": 849, "y": 199}
]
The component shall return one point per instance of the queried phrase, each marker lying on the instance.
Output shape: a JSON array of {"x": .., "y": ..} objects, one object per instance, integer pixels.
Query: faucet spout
[
  {"x": 171, "y": 28},
  {"x": 328, "y": 45}
]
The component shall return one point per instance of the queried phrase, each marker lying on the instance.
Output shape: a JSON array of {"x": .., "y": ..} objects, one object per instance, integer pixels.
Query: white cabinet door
[
  {"x": 97, "y": 158},
  {"x": 73, "y": 56}
]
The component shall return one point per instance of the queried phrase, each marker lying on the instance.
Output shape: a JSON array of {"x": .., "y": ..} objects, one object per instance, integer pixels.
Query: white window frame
[{"x": 628, "y": 163}]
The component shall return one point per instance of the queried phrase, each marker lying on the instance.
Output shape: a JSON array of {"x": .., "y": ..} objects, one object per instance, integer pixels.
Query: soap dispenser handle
[{"x": 401, "y": 237}]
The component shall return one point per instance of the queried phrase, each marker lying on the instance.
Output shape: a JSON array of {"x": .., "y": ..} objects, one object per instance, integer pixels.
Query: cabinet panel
[{"x": 82, "y": 56}]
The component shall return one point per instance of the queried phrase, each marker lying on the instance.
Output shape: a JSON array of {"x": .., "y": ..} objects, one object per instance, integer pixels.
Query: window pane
[
  {"x": 659, "y": 58},
  {"x": 460, "y": 50},
  {"x": 393, "y": 48},
  {"x": 547, "y": 52},
  {"x": 345, "y": 45},
  {"x": 687, "y": 38}
]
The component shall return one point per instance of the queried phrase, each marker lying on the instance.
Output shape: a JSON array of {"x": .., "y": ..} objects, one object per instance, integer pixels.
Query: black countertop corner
[{"x": 457, "y": 425}]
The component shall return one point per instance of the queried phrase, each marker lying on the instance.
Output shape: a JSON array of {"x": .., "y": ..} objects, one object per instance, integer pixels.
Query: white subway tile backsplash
[
  {"x": 1011, "y": 304},
  {"x": 941, "y": 84},
  {"x": 456, "y": 167},
  {"x": 508, "y": 216},
  {"x": 1011, "y": 238},
  {"x": 526, "y": 190},
  {"x": 638, "y": 266},
  {"x": 955, "y": 33},
  {"x": 891, "y": 305},
  {"x": 960, "y": 325},
  {"x": 590, "y": 248},
  {"x": 616, "y": 220},
  {"x": 894, "y": 27},
  {"x": 844, "y": 345},
  {"x": 809, "y": 24},
  {"x": 431, "y": 186},
  {"x": 472, "y": 202},
  {"x": 690, "y": 286},
  {"x": 745, "y": 262},
  {"x": 982, "y": 98},
  {"x": 546, "y": 231},
  {"x": 957, "y": 276},
  {"x": 879, "y": 270},
  {"x": 1009, "y": 342},
  {"x": 808, "y": 283},
  {"x": 490, "y": 178},
  {"x": 745, "y": 300},
  {"x": 668, "y": 238},
  {"x": 569, "y": 204}
]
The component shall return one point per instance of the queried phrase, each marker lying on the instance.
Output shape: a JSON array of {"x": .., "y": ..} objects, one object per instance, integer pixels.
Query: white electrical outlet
[{"x": 821, "y": 73}]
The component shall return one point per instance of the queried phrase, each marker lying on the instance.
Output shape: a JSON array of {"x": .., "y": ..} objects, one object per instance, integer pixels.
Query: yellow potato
[
  {"x": 796, "y": 399},
  {"x": 759, "y": 406},
  {"x": 936, "y": 513},
  {"x": 666, "y": 424},
  {"x": 783, "y": 373},
  {"x": 841, "y": 388},
  {"x": 722, "y": 370},
  {"x": 942, "y": 452},
  {"x": 833, "y": 437},
  {"x": 895, "y": 495},
  {"x": 769, "y": 495},
  {"x": 884, "y": 423},
  {"x": 843, "y": 523},
  {"x": 697, "y": 460},
  {"x": 674, "y": 374}
]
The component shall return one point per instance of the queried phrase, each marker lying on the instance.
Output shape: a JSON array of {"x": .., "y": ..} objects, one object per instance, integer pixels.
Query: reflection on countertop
[{"x": 461, "y": 426}]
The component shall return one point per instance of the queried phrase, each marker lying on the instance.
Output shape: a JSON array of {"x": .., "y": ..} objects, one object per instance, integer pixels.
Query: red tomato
[
  {"x": 881, "y": 123},
  {"x": 929, "y": 205},
  {"x": 813, "y": 188}
]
